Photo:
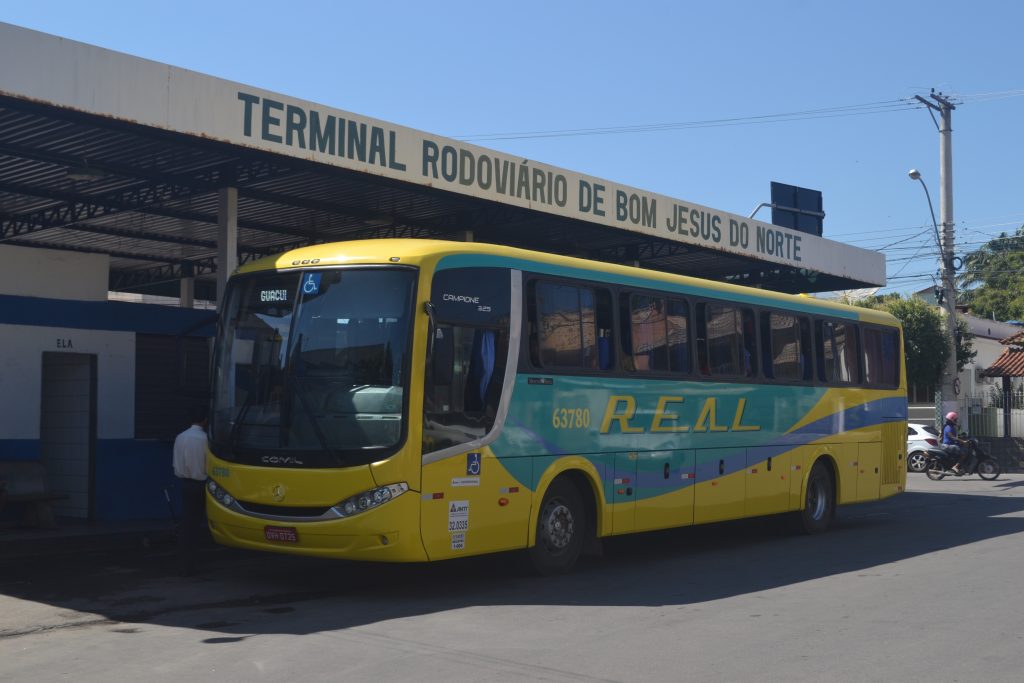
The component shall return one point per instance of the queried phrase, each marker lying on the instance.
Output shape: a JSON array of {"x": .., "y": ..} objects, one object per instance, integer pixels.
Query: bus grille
[
  {"x": 281, "y": 510},
  {"x": 894, "y": 443}
]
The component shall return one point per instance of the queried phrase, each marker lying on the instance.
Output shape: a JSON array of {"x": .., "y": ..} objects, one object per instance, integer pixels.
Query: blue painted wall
[{"x": 130, "y": 474}]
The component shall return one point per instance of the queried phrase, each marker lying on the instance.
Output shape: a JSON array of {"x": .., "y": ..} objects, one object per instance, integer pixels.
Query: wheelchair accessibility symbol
[
  {"x": 311, "y": 285},
  {"x": 472, "y": 464}
]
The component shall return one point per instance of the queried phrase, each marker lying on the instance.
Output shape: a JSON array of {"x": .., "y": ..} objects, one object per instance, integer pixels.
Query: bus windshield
[{"x": 311, "y": 368}]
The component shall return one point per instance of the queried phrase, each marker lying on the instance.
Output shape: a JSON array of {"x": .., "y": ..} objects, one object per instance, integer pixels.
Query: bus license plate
[{"x": 281, "y": 534}]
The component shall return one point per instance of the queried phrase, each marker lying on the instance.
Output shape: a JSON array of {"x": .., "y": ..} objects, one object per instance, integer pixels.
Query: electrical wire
[
  {"x": 823, "y": 113},
  {"x": 866, "y": 108},
  {"x": 989, "y": 96}
]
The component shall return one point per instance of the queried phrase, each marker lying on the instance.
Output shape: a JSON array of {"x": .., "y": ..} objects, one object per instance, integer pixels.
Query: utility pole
[{"x": 942, "y": 105}]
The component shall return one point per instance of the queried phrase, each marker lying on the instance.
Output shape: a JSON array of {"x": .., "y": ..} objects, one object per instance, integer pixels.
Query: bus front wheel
[
  {"x": 561, "y": 529},
  {"x": 819, "y": 501}
]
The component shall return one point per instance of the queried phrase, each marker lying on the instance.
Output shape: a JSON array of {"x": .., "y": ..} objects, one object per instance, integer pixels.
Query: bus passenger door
[
  {"x": 768, "y": 476},
  {"x": 664, "y": 491},
  {"x": 471, "y": 505},
  {"x": 624, "y": 493},
  {"x": 721, "y": 484},
  {"x": 869, "y": 462}
]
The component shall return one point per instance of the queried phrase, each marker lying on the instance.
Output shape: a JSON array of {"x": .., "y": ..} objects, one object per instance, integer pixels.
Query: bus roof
[{"x": 423, "y": 252}]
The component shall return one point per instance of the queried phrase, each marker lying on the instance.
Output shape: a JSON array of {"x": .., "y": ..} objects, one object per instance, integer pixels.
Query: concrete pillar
[
  {"x": 187, "y": 295},
  {"x": 227, "y": 238}
]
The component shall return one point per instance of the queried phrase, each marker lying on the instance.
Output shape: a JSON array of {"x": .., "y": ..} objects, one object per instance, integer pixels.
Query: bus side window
[
  {"x": 701, "y": 339},
  {"x": 648, "y": 333},
  {"x": 655, "y": 333},
  {"x": 825, "y": 352},
  {"x": 532, "y": 335},
  {"x": 678, "y": 336},
  {"x": 463, "y": 385},
  {"x": 626, "y": 333},
  {"x": 844, "y": 340},
  {"x": 730, "y": 340},
  {"x": 749, "y": 343},
  {"x": 574, "y": 326},
  {"x": 788, "y": 345},
  {"x": 805, "y": 361},
  {"x": 890, "y": 358},
  {"x": 766, "y": 346},
  {"x": 605, "y": 323}
]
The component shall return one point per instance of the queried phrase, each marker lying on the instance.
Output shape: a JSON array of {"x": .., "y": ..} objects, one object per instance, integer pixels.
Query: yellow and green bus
[{"x": 414, "y": 400}]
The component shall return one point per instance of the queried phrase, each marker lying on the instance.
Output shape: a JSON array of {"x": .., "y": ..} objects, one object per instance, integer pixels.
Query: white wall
[
  {"x": 51, "y": 274},
  {"x": 988, "y": 351},
  {"x": 21, "y": 362},
  {"x": 987, "y": 334}
]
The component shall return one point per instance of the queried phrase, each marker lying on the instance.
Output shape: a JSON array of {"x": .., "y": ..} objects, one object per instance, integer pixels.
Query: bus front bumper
[{"x": 389, "y": 533}]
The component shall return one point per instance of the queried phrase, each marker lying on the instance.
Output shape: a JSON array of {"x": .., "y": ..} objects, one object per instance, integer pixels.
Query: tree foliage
[
  {"x": 991, "y": 281},
  {"x": 924, "y": 337}
]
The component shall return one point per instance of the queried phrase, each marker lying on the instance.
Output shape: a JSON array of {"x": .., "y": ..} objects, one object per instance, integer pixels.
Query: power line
[
  {"x": 962, "y": 228},
  {"x": 904, "y": 266},
  {"x": 879, "y": 107},
  {"x": 989, "y": 96},
  {"x": 823, "y": 113},
  {"x": 905, "y": 239},
  {"x": 966, "y": 245}
]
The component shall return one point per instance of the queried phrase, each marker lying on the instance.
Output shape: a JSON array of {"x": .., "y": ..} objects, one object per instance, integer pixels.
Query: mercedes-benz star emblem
[{"x": 278, "y": 492}]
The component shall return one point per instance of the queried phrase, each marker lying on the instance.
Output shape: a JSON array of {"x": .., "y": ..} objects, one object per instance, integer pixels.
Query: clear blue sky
[{"x": 466, "y": 69}]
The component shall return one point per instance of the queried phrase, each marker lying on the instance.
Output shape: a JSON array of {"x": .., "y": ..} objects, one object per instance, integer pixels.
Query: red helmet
[{"x": 952, "y": 416}]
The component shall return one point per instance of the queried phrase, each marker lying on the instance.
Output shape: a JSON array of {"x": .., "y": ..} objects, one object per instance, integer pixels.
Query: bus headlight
[
  {"x": 369, "y": 499},
  {"x": 219, "y": 494}
]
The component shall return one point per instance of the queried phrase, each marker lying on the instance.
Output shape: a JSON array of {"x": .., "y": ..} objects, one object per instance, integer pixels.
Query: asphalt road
[{"x": 923, "y": 587}]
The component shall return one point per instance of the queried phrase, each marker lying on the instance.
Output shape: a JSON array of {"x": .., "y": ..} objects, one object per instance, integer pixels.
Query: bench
[{"x": 24, "y": 483}]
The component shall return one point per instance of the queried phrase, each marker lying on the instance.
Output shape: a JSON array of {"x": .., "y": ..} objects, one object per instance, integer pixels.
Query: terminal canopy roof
[{"x": 107, "y": 153}]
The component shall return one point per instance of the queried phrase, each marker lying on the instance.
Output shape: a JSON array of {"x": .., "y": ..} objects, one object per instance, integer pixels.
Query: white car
[{"x": 919, "y": 439}]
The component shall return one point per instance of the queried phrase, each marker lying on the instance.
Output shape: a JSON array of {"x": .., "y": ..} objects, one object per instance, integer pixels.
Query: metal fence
[{"x": 986, "y": 412}]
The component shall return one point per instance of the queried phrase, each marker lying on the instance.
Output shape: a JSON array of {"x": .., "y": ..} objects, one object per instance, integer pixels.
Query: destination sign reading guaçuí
[{"x": 403, "y": 153}]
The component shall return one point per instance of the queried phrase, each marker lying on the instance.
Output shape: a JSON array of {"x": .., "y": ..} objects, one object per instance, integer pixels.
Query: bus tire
[
  {"x": 561, "y": 529},
  {"x": 819, "y": 501}
]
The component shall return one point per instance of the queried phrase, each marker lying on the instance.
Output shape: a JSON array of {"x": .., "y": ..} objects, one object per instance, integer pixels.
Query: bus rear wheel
[
  {"x": 561, "y": 529},
  {"x": 819, "y": 501}
]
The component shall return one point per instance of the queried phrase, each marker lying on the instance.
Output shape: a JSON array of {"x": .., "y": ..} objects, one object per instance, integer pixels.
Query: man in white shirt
[{"x": 190, "y": 468}]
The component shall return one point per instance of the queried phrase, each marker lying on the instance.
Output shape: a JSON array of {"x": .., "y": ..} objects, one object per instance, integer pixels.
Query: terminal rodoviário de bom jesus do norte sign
[{"x": 404, "y": 154}]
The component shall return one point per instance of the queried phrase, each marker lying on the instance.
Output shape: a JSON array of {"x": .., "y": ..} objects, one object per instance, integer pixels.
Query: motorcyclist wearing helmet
[{"x": 953, "y": 444}]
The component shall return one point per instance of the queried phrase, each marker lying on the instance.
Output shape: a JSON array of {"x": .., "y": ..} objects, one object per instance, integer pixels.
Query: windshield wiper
[
  {"x": 236, "y": 427},
  {"x": 313, "y": 420},
  {"x": 292, "y": 379}
]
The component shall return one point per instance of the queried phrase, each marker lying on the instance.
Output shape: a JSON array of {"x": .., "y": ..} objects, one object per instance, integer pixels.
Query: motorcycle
[
  {"x": 920, "y": 456},
  {"x": 940, "y": 463}
]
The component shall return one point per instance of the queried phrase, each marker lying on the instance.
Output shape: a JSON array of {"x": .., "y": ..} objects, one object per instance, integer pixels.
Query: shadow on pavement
[{"x": 241, "y": 594}]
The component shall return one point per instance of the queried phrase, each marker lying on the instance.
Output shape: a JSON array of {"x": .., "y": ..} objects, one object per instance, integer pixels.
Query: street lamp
[
  {"x": 949, "y": 375},
  {"x": 916, "y": 175}
]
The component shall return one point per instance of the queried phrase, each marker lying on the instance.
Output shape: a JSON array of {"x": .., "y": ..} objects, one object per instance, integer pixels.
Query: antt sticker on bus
[{"x": 458, "y": 516}]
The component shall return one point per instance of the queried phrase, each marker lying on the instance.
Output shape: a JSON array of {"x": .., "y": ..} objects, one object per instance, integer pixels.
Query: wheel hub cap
[{"x": 559, "y": 526}]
